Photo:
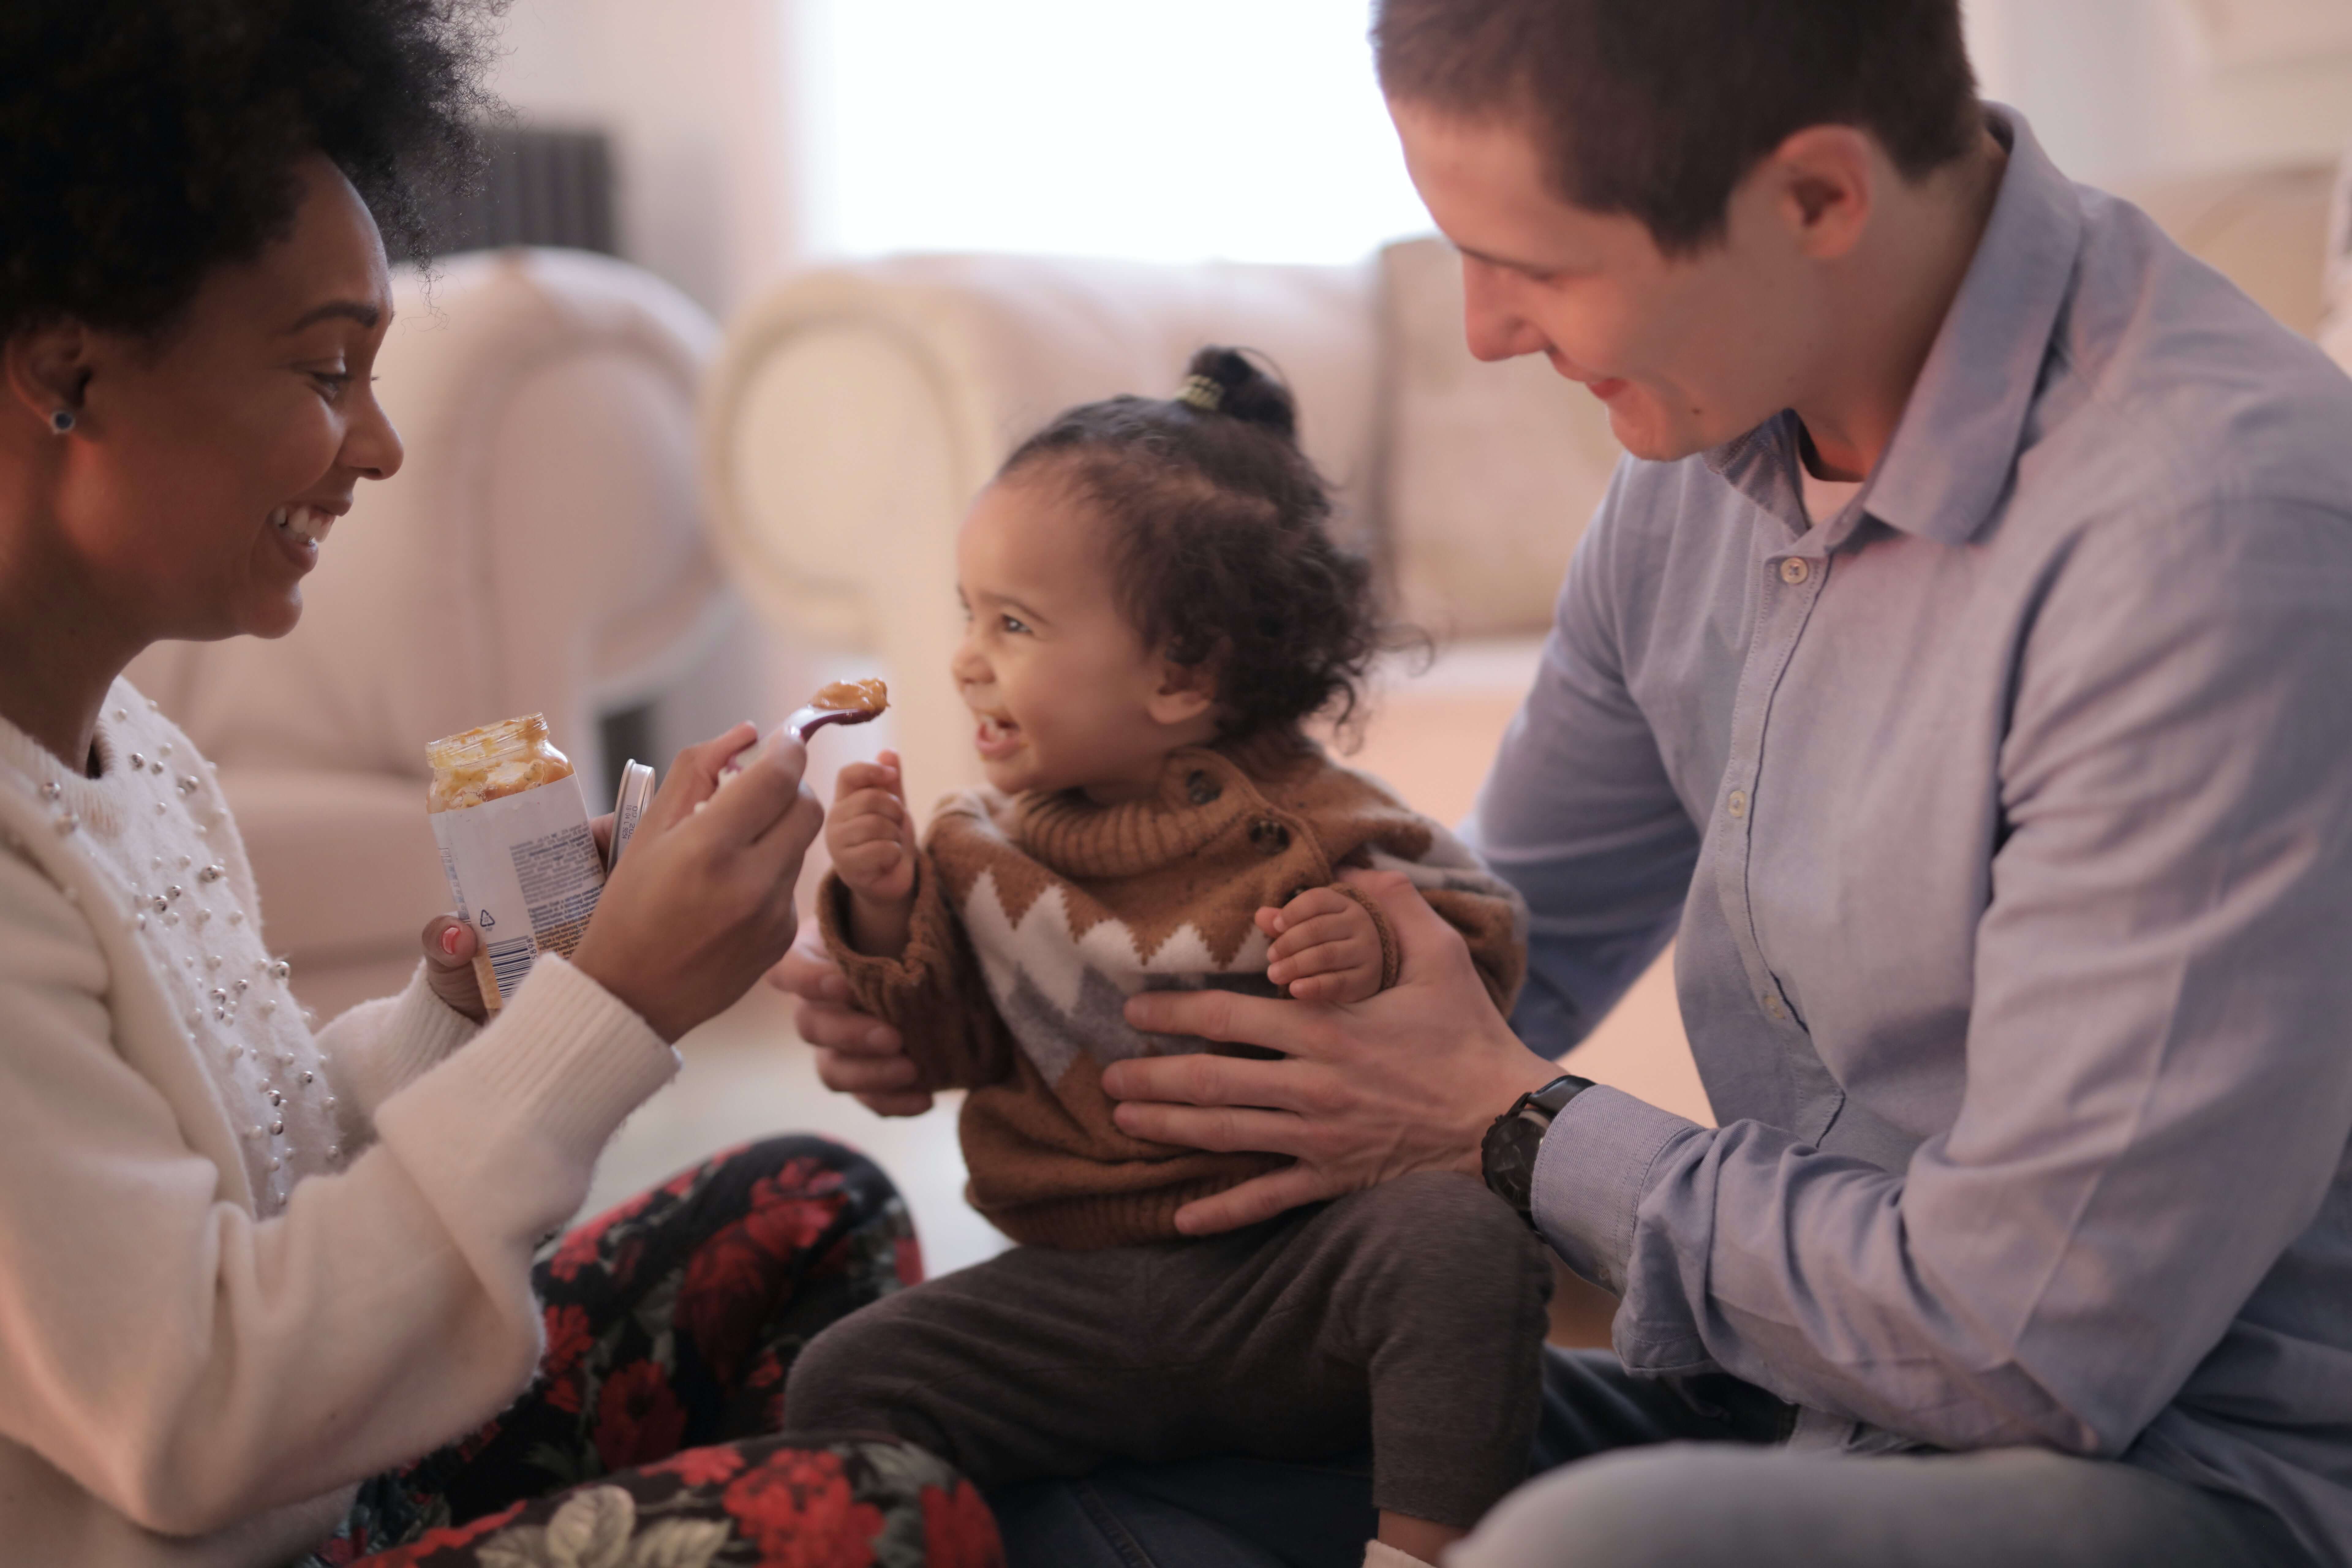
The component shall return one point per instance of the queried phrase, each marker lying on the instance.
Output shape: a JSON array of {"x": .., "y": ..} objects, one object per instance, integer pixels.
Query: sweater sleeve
[
  {"x": 932, "y": 993},
  {"x": 192, "y": 1366},
  {"x": 375, "y": 1048},
  {"x": 1488, "y": 912}
]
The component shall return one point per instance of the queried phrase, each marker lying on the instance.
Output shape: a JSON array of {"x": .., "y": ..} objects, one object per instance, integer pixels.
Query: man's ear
[
  {"x": 47, "y": 370},
  {"x": 1826, "y": 182},
  {"x": 1186, "y": 691}
]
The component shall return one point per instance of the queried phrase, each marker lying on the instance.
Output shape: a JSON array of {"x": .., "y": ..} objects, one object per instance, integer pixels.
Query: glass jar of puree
[{"x": 513, "y": 824}]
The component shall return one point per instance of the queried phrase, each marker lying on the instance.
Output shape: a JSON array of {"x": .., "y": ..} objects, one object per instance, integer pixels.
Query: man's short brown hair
[{"x": 1658, "y": 109}]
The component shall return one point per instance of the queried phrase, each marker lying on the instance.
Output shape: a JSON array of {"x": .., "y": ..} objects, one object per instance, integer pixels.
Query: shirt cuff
[{"x": 1591, "y": 1173}]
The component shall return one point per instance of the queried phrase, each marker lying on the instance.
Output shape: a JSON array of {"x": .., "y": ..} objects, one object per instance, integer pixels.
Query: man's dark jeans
[{"x": 1250, "y": 1513}]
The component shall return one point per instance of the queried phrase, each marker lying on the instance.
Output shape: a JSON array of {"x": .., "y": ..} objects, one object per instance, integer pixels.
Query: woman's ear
[
  {"x": 1186, "y": 691},
  {"x": 47, "y": 370}
]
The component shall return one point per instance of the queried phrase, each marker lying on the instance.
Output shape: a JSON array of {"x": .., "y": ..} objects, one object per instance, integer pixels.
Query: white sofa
[
  {"x": 543, "y": 549},
  {"x": 854, "y": 410}
]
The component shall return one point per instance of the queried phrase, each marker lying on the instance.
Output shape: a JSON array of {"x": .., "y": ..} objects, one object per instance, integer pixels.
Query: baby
[{"x": 1154, "y": 609}]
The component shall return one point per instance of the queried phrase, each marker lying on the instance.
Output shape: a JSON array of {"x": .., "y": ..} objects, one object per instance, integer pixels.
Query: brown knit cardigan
[{"x": 1037, "y": 916}]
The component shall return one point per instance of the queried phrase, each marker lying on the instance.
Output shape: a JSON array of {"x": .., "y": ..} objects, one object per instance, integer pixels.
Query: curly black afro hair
[
  {"x": 1221, "y": 543},
  {"x": 143, "y": 142}
]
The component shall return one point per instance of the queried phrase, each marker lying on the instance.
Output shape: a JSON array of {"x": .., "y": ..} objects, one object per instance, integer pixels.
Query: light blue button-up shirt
[{"x": 2005, "y": 821}]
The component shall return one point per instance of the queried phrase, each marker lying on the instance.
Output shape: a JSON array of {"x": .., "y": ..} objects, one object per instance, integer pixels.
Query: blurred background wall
[{"x": 751, "y": 136}]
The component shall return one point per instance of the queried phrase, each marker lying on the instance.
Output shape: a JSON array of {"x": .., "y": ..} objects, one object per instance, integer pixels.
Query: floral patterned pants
[{"x": 650, "y": 1438}]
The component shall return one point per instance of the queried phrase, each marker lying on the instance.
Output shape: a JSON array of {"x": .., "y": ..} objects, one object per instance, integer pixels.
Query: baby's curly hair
[
  {"x": 143, "y": 142},
  {"x": 1221, "y": 546}
]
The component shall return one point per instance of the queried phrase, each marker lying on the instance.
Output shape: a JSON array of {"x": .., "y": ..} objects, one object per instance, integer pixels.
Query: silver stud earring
[{"x": 62, "y": 421}]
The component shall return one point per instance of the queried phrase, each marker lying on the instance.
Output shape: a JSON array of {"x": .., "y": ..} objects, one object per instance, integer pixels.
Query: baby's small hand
[
  {"x": 1325, "y": 947},
  {"x": 871, "y": 834}
]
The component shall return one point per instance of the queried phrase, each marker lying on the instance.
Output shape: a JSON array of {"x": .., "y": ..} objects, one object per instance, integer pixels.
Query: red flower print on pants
[
  {"x": 700, "y": 1466},
  {"x": 732, "y": 1281},
  {"x": 570, "y": 1337},
  {"x": 797, "y": 1510},
  {"x": 435, "y": 1541},
  {"x": 957, "y": 1530},
  {"x": 579, "y": 1249},
  {"x": 638, "y": 1420},
  {"x": 685, "y": 1181}
]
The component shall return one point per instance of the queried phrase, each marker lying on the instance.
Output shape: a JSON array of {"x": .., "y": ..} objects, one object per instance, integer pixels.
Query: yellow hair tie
[{"x": 1203, "y": 393}]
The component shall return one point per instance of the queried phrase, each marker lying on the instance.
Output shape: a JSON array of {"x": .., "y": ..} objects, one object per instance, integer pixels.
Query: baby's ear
[{"x": 1186, "y": 691}]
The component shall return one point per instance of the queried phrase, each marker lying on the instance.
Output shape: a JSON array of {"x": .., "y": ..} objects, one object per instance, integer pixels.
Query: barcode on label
[{"x": 509, "y": 962}]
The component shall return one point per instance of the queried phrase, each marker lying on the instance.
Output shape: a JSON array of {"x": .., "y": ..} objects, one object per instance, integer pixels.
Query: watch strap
[{"x": 1507, "y": 1154}]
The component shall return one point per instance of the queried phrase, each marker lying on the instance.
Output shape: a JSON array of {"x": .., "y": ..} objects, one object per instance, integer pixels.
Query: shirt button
[
  {"x": 1772, "y": 1006},
  {"x": 1793, "y": 572},
  {"x": 1738, "y": 804}
]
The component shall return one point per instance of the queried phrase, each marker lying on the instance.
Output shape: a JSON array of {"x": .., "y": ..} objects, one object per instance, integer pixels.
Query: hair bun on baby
[{"x": 1225, "y": 381}]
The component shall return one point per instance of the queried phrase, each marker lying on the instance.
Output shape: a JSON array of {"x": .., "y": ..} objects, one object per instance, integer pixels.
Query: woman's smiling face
[
  {"x": 206, "y": 463},
  {"x": 1064, "y": 694}
]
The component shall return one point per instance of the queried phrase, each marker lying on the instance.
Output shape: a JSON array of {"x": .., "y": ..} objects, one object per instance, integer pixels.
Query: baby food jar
[{"x": 522, "y": 860}]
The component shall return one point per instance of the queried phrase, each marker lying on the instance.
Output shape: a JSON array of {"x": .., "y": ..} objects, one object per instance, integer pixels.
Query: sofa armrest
[
  {"x": 2265, "y": 229},
  {"x": 855, "y": 411}
]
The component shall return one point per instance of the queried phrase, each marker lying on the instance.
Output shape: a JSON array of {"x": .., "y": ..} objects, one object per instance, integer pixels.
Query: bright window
[{"x": 1244, "y": 129}]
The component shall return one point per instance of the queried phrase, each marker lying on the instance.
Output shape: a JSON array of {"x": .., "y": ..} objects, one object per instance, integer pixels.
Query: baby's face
[{"x": 1063, "y": 695}]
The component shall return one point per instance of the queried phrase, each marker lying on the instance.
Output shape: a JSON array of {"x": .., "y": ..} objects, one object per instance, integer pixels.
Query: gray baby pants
[{"x": 1411, "y": 1313}]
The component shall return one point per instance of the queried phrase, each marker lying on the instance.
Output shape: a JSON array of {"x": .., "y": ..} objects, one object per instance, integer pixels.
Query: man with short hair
[{"x": 1957, "y": 668}]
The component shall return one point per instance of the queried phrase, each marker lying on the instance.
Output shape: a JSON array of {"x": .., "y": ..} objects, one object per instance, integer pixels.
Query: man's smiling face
[{"x": 1686, "y": 350}]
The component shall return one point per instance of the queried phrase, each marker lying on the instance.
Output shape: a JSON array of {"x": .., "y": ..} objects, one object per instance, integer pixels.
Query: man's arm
[{"x": 2159, "y": 1097}]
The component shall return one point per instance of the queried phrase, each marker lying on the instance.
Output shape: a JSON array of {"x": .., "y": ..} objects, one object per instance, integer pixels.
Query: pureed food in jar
[{"x": 515, "y": 842}]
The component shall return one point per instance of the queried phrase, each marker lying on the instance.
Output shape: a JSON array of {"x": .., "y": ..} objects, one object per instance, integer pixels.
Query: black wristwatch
[{"x": 1507, "y": 1154}]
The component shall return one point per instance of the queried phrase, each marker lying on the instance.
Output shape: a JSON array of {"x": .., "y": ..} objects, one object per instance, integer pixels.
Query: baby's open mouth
[
  {"x": 997, "y": 737},
  {"x": 307, "y": 524}
]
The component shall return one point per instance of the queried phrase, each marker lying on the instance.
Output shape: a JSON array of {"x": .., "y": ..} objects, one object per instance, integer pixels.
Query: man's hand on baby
[
  {"x": 1326, "y": 947},
  {"x": 856, "y": 1055},
  {"x": 870, "y": 833}
]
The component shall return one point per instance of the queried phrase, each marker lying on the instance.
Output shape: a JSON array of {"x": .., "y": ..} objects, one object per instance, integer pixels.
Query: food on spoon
[
  {"x": 840, "y": 702},
  {"x": 868, "y": 697}
]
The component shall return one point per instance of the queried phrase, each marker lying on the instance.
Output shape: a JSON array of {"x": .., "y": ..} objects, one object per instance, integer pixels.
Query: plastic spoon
[{"x": 843, "y": 702}]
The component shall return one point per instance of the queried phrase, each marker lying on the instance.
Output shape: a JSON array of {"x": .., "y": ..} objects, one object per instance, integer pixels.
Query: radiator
[{"x": 540, "y": 187}]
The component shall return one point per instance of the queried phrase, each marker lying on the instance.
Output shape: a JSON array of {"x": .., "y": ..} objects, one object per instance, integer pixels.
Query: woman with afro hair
[{"x": 267, "y": 1296}]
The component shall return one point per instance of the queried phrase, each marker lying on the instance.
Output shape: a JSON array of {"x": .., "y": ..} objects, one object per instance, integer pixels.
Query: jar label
[{"x": 526, "y": 875}]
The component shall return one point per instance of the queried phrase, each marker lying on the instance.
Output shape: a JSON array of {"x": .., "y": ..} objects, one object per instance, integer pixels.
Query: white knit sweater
[{"x": 242, "y": 1268}]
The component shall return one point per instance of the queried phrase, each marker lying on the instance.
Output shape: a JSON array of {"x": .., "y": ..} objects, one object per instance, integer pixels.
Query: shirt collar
[{"x": 1949, "y": 462}]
